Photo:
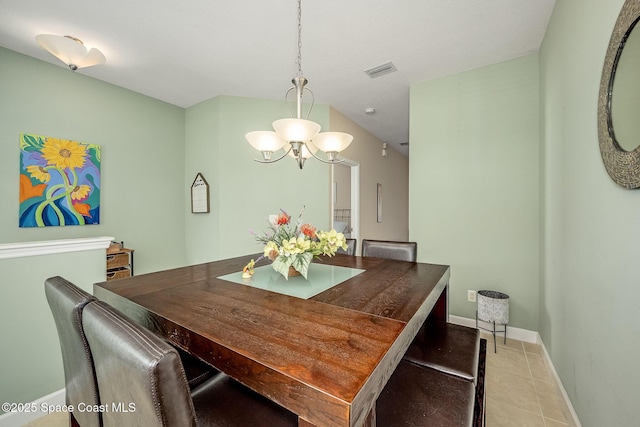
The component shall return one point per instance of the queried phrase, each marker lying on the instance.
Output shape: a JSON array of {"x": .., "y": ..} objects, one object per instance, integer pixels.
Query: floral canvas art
[{"x": 59, "y": 182}]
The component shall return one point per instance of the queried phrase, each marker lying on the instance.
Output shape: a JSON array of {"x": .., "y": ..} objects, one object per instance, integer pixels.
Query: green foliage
[{"x": 31, "y": 142}]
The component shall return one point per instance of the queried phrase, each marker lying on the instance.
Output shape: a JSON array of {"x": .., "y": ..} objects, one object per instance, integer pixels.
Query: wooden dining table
[{"x": 325, "y": 357}]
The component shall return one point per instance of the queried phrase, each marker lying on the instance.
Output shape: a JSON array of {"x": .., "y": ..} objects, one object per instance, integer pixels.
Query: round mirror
[
  {"x": 625, "y": 96},
  {"x": 619, "y": 100}
]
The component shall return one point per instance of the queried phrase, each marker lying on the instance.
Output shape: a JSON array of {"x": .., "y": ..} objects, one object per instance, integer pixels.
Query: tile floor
[{"x": 520, "y": 390}]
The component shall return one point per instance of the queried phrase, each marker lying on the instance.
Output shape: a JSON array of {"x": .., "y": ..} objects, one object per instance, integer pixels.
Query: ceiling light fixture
[
  {"x": 302, "y": 135},
  {"x": 70, "y": 50}
]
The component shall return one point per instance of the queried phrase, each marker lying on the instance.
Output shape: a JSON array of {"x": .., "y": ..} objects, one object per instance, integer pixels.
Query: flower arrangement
[{"x": 293, "y": 246}]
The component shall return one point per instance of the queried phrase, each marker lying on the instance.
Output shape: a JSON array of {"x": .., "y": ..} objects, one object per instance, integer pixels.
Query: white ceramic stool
[{"x": 493, "y": 307}]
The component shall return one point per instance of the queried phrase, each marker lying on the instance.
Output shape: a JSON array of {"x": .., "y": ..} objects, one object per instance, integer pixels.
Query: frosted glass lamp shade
[
  {"x": 265, "y": 141},
  {"x": 70, "y": 50},
  {"x": 296, "y": 129},
  {"x": 332, "y": 142}
]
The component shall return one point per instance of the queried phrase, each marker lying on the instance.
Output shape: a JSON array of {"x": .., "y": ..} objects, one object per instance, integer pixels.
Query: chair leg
[{"x": 505, "y": 334}]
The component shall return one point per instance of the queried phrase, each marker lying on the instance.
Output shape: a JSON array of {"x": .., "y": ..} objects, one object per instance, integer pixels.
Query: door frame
[{"x": 355, "y": 199}]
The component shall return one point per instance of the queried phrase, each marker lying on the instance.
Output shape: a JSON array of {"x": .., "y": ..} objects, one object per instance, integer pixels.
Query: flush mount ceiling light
[
  {"x": 302, "y": 135},
  {"x": 70, "y": 50}
]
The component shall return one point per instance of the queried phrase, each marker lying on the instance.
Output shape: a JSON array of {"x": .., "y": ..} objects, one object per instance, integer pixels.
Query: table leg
[{"x": 440, "y": 310}]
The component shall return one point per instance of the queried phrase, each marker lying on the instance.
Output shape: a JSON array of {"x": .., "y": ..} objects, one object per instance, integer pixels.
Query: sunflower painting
[{"x": 59, "y": 182}]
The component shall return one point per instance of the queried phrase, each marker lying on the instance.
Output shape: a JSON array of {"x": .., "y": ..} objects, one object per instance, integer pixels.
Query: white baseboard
[
  {"x": 570, "y": 411},
  {"x": 17, "y": 419},
  {"x": 534, "y": 338},
  {"x": 512, "y": 332}
]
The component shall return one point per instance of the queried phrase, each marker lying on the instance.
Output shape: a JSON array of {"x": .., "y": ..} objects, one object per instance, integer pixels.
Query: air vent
[{"x": 381, "y": 70}]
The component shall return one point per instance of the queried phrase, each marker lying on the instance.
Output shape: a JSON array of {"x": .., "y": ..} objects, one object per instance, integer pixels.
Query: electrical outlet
[{"x": 471, "y": 296}]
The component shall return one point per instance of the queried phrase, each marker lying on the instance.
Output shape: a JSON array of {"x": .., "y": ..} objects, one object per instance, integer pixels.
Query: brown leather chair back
[
  {"x": 135, "y": 367},
  {"x": 67, "y": 302},
  {"x": 402, "y": 251}
]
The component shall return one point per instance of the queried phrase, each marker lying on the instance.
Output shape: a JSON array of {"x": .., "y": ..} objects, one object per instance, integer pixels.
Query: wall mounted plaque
[{"x": 200, "y": 195}]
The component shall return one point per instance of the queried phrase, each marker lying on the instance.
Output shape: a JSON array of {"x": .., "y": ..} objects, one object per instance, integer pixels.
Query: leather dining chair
[
  {"x": 401, "y": 251},
  {"x": 138, "y": 368},
  {"x": 449, "y": 348},
  {"x": 67, "y": 302},
  {"x": 351, "y": 247},
  {"x": 419, "y": 396}
]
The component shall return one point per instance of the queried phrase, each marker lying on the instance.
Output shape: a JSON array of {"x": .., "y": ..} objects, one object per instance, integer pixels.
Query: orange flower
[
  {"x": 283, "y": 219},
  {"x": 28, "y": 190},
  {"x": 308, "y": 231},
  {"x": 83, "y": 209}
]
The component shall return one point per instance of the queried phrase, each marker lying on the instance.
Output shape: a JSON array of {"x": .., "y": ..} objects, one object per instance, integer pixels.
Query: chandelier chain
[
  {"x": 296, "y": 131},
  {"x": 299, "y": 59}
]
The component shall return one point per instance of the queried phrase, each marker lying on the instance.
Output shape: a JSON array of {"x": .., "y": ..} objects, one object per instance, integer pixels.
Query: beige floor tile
[
  {"x": 511, "y": 343},
  {"x": 552, "y": 423},
  {"x": 55, "y": 419},
  {"x": 505, "y": 415},
  {"x": 509, "y": 360},
  {"x": 538, "y": 368},
  {"x": 519, "y": 387},
  {"x": 532, "y": 348},
  {"x": 549, "y": 400},
  {"x": 512, "y": 389}
]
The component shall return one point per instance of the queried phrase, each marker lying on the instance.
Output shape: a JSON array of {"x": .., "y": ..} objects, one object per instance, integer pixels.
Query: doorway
[{"x": 345, "y": 199}]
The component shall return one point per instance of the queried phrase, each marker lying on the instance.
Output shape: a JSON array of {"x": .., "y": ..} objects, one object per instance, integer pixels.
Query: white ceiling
[{"x": 184, "y": 52}]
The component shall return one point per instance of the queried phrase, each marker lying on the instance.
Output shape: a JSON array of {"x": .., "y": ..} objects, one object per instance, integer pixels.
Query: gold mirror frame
[{"x": 622, "y": 166}]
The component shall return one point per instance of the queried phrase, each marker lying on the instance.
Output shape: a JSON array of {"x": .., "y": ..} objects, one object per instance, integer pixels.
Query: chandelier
[{"x": 302, "y": 135}]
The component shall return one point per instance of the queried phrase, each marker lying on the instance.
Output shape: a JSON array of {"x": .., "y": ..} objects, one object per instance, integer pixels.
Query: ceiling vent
[{"x": 381, "y": 70}]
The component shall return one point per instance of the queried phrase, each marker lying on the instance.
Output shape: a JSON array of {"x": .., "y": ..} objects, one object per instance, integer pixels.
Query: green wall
[
  {"x": 142, "y": 168},
  {"x": 31, "y": 362},
  {"x": 507, "y": 185},
  {"x": 142, "y": 203},
  {"x": 473, "y": 183},
  {"x": 244, "y": 192},
  {"x": 590, "y": 288}
]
